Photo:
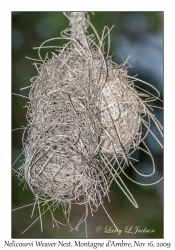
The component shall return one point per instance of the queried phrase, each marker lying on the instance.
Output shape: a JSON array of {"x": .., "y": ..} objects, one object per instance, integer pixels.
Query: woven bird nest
[{"x": 84, "y": 113}]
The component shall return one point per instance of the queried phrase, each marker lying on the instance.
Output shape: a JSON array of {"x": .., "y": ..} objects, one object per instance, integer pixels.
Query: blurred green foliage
[{"x": 30, "y": 29}]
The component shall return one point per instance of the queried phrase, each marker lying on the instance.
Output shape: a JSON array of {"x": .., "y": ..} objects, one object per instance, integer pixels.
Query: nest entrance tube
[{"x": 84, "y": 117}]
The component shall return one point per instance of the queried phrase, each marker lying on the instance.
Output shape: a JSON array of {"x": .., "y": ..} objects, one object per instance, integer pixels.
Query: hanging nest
[{"x": 84, "y": 116}]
